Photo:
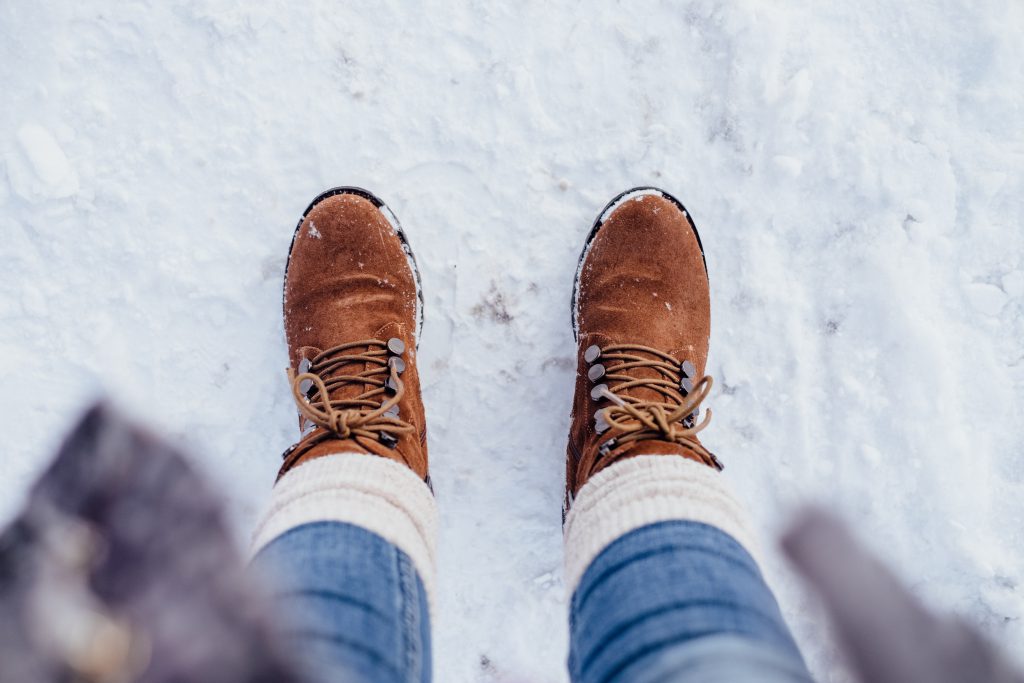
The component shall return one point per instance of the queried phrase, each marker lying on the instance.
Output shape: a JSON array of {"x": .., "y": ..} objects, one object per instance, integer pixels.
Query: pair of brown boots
[{"x": 353, "y": 310}]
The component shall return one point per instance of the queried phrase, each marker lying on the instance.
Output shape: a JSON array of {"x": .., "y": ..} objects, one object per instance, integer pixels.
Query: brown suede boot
[
  {"x": 641, "y": 313},
  {"x": 352, "y": 315}
]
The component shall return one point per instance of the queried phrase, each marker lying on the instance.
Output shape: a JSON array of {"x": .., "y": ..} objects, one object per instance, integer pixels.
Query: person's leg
[
  {"x": 658, "y": 562},
  {"x": 348, "y": 542},
  {"x": 353, "y": 594},
  {"x": 662, "y": 589}
]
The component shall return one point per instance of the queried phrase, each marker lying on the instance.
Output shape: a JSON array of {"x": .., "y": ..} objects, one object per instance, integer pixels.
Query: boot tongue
[
  {"x": 641, "y": 392},
  {"x": 329, "y": 368},
  {"x": 345, "y": 363}
]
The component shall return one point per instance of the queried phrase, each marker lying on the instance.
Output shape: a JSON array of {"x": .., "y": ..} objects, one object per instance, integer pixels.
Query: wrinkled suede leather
[
  {"x": 643, "y": 281},
  {"x": 349, "y": 279}
]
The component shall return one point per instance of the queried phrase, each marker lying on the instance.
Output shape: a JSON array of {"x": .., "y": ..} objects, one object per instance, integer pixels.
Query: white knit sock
[
  {"x": 645, "y": 490},
  {"x": 380, "y": 495}
]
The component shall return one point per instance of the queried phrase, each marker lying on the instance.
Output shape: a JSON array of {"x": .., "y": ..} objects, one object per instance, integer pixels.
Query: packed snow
[{"x": 854, "y": 167}]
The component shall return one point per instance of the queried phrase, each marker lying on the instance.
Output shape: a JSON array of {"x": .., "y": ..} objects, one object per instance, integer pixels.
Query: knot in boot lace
[
  {"x": 669, "y": 417},
  {"x": 371, "y": 414}
]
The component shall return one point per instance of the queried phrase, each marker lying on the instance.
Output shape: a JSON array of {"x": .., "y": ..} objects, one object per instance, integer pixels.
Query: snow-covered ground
[{"x": 855, "y": 167}]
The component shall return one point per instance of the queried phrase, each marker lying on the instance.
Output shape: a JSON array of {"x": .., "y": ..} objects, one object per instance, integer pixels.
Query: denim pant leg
[
  {"x": 678, "y": 601},
  {"x": 352, "y": 605}
]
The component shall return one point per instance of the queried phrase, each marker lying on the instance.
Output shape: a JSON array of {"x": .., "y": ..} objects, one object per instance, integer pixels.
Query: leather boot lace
[
  {"x": 630, "y": 419},
  {"x": 371, "y": 414}
]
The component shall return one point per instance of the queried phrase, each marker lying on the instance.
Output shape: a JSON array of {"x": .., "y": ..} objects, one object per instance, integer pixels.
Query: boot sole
[
  {"x": 609, "y": 208},
  {"x": 395, "y": 224}
]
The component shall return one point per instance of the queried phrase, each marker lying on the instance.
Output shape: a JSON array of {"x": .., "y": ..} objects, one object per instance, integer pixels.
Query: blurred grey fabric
[
  {"x": 121, "y": 568},
  {"x": 886, "y": 633}
]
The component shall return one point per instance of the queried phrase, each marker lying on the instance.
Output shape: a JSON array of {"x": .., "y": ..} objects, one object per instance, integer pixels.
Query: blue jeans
[
  {"x": 353, "y": 607},
  {"x": 678, "y": 601},
  {"x": 673, "y": 601}
]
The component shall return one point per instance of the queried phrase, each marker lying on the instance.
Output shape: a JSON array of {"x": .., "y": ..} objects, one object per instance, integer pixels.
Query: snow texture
[{"x": 854, "y": 167}]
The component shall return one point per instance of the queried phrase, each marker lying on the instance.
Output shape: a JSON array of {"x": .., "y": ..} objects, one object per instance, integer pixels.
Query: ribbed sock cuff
[
  {"x": 377, "y": 494},
  {"x": 645, "y": 490}
]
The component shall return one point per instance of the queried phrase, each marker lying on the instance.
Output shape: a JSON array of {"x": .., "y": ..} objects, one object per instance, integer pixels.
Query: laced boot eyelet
[
  {"x": 305, "y": 386},
  {"x": 592, "y": 353},
  {"x": 388, "y": 439},
  {"x": 396, "y": 346}
]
